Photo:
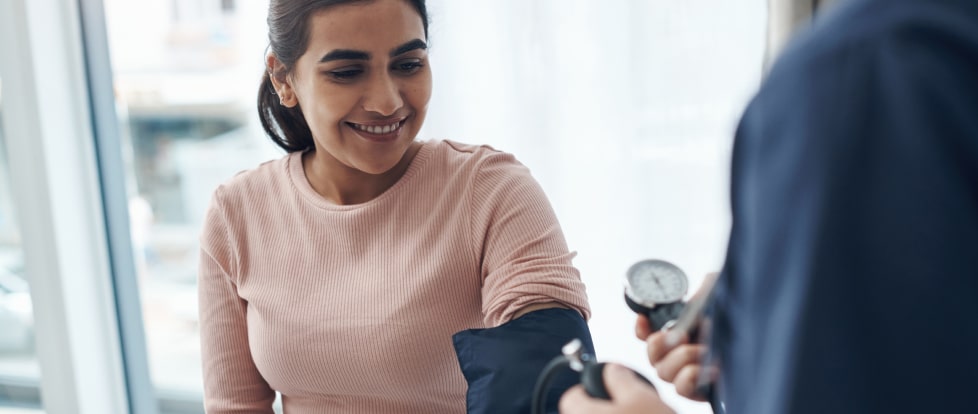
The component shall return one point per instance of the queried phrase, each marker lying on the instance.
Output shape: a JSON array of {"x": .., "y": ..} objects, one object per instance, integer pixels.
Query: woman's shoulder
[
  {"x": 265, "y": 178},
  {"x": 463, "y": 156},
  {"x": 462, "y": 149}
]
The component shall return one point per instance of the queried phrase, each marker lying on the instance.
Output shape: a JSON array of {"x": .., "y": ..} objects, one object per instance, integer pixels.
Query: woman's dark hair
[{"x": 288, "y": 37}]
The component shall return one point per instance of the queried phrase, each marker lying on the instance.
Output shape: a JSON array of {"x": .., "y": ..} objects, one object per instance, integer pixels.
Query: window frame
[{"x": 66, "y": 168}]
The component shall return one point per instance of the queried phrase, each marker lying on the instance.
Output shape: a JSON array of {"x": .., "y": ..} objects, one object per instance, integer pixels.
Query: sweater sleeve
[
  {"x": 523, "y": 255},
  {"x": 232, "y": 383}
]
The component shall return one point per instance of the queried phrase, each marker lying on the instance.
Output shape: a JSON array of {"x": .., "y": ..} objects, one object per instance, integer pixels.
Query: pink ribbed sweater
[{"x": 351, "y": 308}]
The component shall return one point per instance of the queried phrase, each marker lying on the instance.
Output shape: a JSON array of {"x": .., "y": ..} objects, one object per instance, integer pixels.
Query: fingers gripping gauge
[{"x": 655, "y": 288}]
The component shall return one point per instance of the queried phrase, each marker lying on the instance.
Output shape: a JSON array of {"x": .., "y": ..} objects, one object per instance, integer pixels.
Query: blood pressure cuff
[{"x": 501, "y": 364}]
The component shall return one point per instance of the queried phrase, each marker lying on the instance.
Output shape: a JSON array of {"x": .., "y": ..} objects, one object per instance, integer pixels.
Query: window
[{"x": 185, "y": 91}]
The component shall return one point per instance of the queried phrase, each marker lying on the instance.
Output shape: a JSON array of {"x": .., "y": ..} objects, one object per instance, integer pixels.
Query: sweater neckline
[{"x": 297, "y": 177}]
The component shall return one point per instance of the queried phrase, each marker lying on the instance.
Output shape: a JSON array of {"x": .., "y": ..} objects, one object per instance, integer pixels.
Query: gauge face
[{"x": 650, "y": 282}]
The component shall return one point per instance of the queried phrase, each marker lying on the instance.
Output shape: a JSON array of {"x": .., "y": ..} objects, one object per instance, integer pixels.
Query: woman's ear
[{"x": 280, "y": 81}]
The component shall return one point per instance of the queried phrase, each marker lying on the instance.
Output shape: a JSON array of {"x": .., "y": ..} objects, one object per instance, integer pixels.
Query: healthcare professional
[{"x": 851, "y": 279}]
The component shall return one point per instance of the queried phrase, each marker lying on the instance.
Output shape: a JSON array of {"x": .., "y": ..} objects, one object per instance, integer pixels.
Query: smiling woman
[
  {"x": 363, "y": 94},
  {"x": 358, "y": 272},
  {"x": 356, "y": 89}
]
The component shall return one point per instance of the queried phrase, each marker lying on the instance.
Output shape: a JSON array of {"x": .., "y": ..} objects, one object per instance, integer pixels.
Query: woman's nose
[{"x": 383, "y": 96}]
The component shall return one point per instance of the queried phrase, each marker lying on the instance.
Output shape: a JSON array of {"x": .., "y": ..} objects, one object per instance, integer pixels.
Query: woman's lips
[{"x": 379, "y": 132}]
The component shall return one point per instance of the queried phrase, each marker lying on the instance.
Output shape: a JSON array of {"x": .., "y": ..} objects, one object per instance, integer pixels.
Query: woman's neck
[{"x": 343, "y": 185}]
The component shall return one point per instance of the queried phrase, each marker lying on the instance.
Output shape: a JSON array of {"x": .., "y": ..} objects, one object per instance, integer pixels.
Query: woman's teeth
[{"x": 378, "y": 129}]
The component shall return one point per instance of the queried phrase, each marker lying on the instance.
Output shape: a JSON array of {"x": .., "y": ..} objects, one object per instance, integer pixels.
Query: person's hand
[
  {"x": 629, "y": 395},
  {"x": 674, "y": 358},
  {"x": 677, "y": 361}
]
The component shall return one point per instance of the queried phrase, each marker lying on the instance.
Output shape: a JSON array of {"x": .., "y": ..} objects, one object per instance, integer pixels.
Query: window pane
[
  {"x": 185, "y": 72},
  {"x": 20, "y": 372}
]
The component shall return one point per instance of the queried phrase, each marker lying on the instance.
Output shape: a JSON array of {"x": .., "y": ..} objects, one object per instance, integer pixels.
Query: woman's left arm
[
  {"x": 533, "y": 299},
  {"x": 525, "y": 262},
  {"x": 538, "y": 306}
]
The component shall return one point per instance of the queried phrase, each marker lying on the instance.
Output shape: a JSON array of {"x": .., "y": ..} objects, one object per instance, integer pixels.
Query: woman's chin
[{"x": 377, "y": 168}]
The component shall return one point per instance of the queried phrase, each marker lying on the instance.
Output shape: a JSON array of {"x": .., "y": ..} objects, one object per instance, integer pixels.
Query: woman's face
[{"x": 363, "y": 83}]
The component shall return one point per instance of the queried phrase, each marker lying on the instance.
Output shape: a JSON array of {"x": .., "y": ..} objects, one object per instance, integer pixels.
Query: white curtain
[{"x": 625, "y": 112}]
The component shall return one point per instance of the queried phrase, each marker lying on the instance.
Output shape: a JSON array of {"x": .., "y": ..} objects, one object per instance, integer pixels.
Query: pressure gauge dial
[
  {"x": 655, "y": 288},
  {"x": 651, "y": 282}
]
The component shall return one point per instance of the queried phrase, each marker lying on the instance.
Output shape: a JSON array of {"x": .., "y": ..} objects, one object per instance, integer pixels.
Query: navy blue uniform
[{"x": 851, "y": 282}]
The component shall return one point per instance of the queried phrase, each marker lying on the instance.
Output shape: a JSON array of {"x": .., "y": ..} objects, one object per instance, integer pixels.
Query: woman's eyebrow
[
  {"x": 409, "y": 46},
  {"x": 345, "y": 54},
  {"x": 349, "y": 54}
]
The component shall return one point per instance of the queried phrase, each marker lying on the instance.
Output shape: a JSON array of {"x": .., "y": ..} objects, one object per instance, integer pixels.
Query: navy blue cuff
[{"x": 501, "y": 364}]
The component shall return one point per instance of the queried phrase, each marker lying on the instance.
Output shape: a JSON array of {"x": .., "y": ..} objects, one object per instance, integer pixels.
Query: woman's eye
[
  {"x": 409, "y": 66},
  {"x": 345, "y": 74}
]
